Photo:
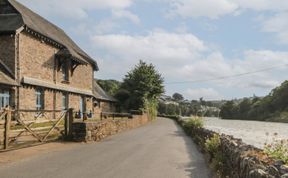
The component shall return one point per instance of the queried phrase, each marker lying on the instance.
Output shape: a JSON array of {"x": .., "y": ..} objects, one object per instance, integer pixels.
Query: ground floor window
[
  {"x": 39, "y": 98},
  {"x": 65, "y": 101},
  {"x": 4, "y": 98}
]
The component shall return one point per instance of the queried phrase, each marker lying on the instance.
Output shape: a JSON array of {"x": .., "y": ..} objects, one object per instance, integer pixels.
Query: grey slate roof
[
  {"x": 26, "y": 18},
  {"x": 100, "y": 94}
]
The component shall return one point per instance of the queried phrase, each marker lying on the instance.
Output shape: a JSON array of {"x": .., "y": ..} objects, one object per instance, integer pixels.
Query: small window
[
  {"x": 64, "y": 101},
  {"x": 65, "y": 72},
  {"x": 39, "y": 99},
  {"x": 4, "y": 98}
]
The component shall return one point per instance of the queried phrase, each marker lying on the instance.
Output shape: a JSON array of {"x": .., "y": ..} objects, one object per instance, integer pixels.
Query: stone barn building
[{"x": 41, "y": 68}]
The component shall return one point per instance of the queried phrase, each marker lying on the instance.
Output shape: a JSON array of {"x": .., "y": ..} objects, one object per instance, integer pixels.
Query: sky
[{"x": 187, "y": 41}]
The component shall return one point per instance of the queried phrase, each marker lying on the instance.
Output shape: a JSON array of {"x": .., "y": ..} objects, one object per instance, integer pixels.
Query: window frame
[
  {"x": 65, "y": 101},
  {"x": 40, "y": 95},
  {"x": 65, "y": 72},
  {"x": 5, "y": 98}
]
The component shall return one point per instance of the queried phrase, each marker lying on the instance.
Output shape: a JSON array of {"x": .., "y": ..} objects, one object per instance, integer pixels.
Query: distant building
[
  {"x": 41, "y": 68},
  {"x": 167, "y": 100}
]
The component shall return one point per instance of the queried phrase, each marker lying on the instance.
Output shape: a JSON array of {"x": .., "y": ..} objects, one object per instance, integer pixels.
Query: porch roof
[
  {"x": 50, "y": 85},
  {"x": 6, "y": 80}
]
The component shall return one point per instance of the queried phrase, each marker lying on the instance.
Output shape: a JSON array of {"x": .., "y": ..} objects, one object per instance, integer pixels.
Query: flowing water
[{"x": 251, "y": 132}]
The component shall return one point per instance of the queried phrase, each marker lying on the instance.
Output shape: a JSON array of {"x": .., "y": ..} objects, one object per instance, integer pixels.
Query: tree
[
  {"x": 110, "y": 86},
  {"x": 228, "y": 110},
  {"x": 144, "y": 84},
  {"x": 177, "y": 97}
]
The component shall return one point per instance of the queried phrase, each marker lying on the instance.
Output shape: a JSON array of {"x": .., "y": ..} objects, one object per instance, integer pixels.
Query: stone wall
[
  {"x": 95, "y": 131},
  {"x": 241, "y": 160}
]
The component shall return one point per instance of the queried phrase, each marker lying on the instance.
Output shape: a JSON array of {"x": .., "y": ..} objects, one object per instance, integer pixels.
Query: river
[{"x": 251, "y": 132}]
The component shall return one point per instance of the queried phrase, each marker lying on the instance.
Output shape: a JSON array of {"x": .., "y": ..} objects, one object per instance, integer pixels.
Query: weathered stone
[
  {"x": 284, "y": 169},
  {"x": 284, "y": 176},
  {"x": 273, "y": 171},
  {"x": 258, "y": 173},
  {"x": 96, "y": 131}
]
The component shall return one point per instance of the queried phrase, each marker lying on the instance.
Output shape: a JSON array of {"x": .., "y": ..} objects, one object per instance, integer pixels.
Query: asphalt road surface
[{"x": 157, "y": 150}]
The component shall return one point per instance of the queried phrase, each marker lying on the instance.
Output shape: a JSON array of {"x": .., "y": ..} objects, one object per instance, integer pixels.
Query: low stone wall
[
  {"x": 241, "y": 160},
  {"x": 95, "y": 131}
]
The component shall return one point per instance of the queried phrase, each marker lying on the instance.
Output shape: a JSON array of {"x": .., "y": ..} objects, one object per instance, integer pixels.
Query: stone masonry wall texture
[
  {"x": 37, "y": 61},
  {"x": 238, "y": 160},
  {"x": 96, "y": 131}
]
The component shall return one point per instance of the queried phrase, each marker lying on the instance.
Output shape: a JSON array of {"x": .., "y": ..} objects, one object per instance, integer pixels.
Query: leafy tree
[
  {"x": 143, "y": 84},
  {"x": 110, "y": 86},
  {"x": 177, "y": 97},
  {"x": 228, "y": 110}
]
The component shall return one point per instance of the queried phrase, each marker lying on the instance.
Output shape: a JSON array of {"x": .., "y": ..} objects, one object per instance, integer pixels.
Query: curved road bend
[{"x": 158, "y": 150}]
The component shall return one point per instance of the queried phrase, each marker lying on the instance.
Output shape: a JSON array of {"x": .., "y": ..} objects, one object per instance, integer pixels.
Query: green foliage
[
  {"x": 212, "y": 145},
  {"x": 227, "y": 110},
  {"x": 141, "y": 85},
  {"x": 277, "y": 150},
  {"x": 193, "y": 122},
  {"x": 151, "y": 108},
  {"x": 189, "y": 108},
  {"x": 271, "y": 107},
  {"x": 110, "y": 86},
  {"x": 177, "y": 97}
]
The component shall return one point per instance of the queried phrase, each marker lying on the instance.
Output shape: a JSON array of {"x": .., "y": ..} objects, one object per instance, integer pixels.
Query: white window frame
[{"x": 39, "y": 98}]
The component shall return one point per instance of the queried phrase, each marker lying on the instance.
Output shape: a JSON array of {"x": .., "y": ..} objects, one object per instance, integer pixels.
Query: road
[
  {"x": 251, "y": 132},
  {"x": 157, "y": 150}
]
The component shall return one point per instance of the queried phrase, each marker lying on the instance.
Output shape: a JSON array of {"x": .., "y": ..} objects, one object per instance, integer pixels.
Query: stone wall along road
[{"x": 251, "y": 132}]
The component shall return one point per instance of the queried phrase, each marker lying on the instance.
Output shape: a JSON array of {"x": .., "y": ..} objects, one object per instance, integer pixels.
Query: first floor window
[
  {"x": 64, "y": 101},
  {"x": 65, "y": 72},
  {"x": 39, "y": 98},
  {"x": 4, "y": 98}
]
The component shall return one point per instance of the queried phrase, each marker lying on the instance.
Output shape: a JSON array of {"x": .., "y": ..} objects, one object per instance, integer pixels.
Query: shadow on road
[{"x": 198, "y": 167}]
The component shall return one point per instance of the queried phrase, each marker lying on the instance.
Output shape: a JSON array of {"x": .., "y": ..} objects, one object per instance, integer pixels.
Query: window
[
  {"x": 4, "y": 98},
  {"x": 39, "y": 99},
  {"x": 65, "y": 72},
  {"x": 64, "y": 101}
]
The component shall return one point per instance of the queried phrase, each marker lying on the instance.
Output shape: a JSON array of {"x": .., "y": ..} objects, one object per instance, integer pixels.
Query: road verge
[{"x": 230, "y": 157}]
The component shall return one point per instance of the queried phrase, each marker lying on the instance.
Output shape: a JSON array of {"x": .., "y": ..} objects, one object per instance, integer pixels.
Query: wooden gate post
[
  {"x": 68, "y": 122},
  {"x": 7, "y": 129}
]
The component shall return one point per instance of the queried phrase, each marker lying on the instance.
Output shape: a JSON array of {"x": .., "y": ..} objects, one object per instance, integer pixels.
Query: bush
[
  {"x": 194, "y": 122},
  {"x": 212, "y": 145},
  {"x": 278, "y": 149}
]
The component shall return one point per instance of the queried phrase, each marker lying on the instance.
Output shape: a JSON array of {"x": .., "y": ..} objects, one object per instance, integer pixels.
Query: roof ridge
[{"x": 46, "y": 28}]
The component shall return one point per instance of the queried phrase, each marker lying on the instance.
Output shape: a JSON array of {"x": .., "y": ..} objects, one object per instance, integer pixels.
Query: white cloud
[
  {"x": 184, "y": 57},
  {"x": 157, "y": 45},
  {"x": 277, "y": 24},
  {"x": 74, "y": 8},
  {"x": 204, "y": 8},
  {"x": 217, "y": 8},
  {"x": 263, "y": 5},
  {"x": 216, "y": 66},
  {"x": 206, "y": 93},
  {"x": 126, "y": 14}
]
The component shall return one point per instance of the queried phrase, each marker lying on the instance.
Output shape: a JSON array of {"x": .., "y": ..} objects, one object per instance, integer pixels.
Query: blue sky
[{"x": 186, "y": 40}]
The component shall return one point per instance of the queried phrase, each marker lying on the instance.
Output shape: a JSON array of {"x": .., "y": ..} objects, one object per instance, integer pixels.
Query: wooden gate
[{"x": 22, "y": 128}]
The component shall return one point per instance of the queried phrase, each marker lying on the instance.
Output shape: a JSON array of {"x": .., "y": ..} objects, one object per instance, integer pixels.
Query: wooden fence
[{"x": 20, "y": 128}]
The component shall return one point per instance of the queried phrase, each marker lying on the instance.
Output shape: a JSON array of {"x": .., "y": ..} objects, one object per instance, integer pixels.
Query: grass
[
  {"x": 278, "y": 149},
  {"x": 212, "y": 146},
  {"x": 193, "y": 122}
]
